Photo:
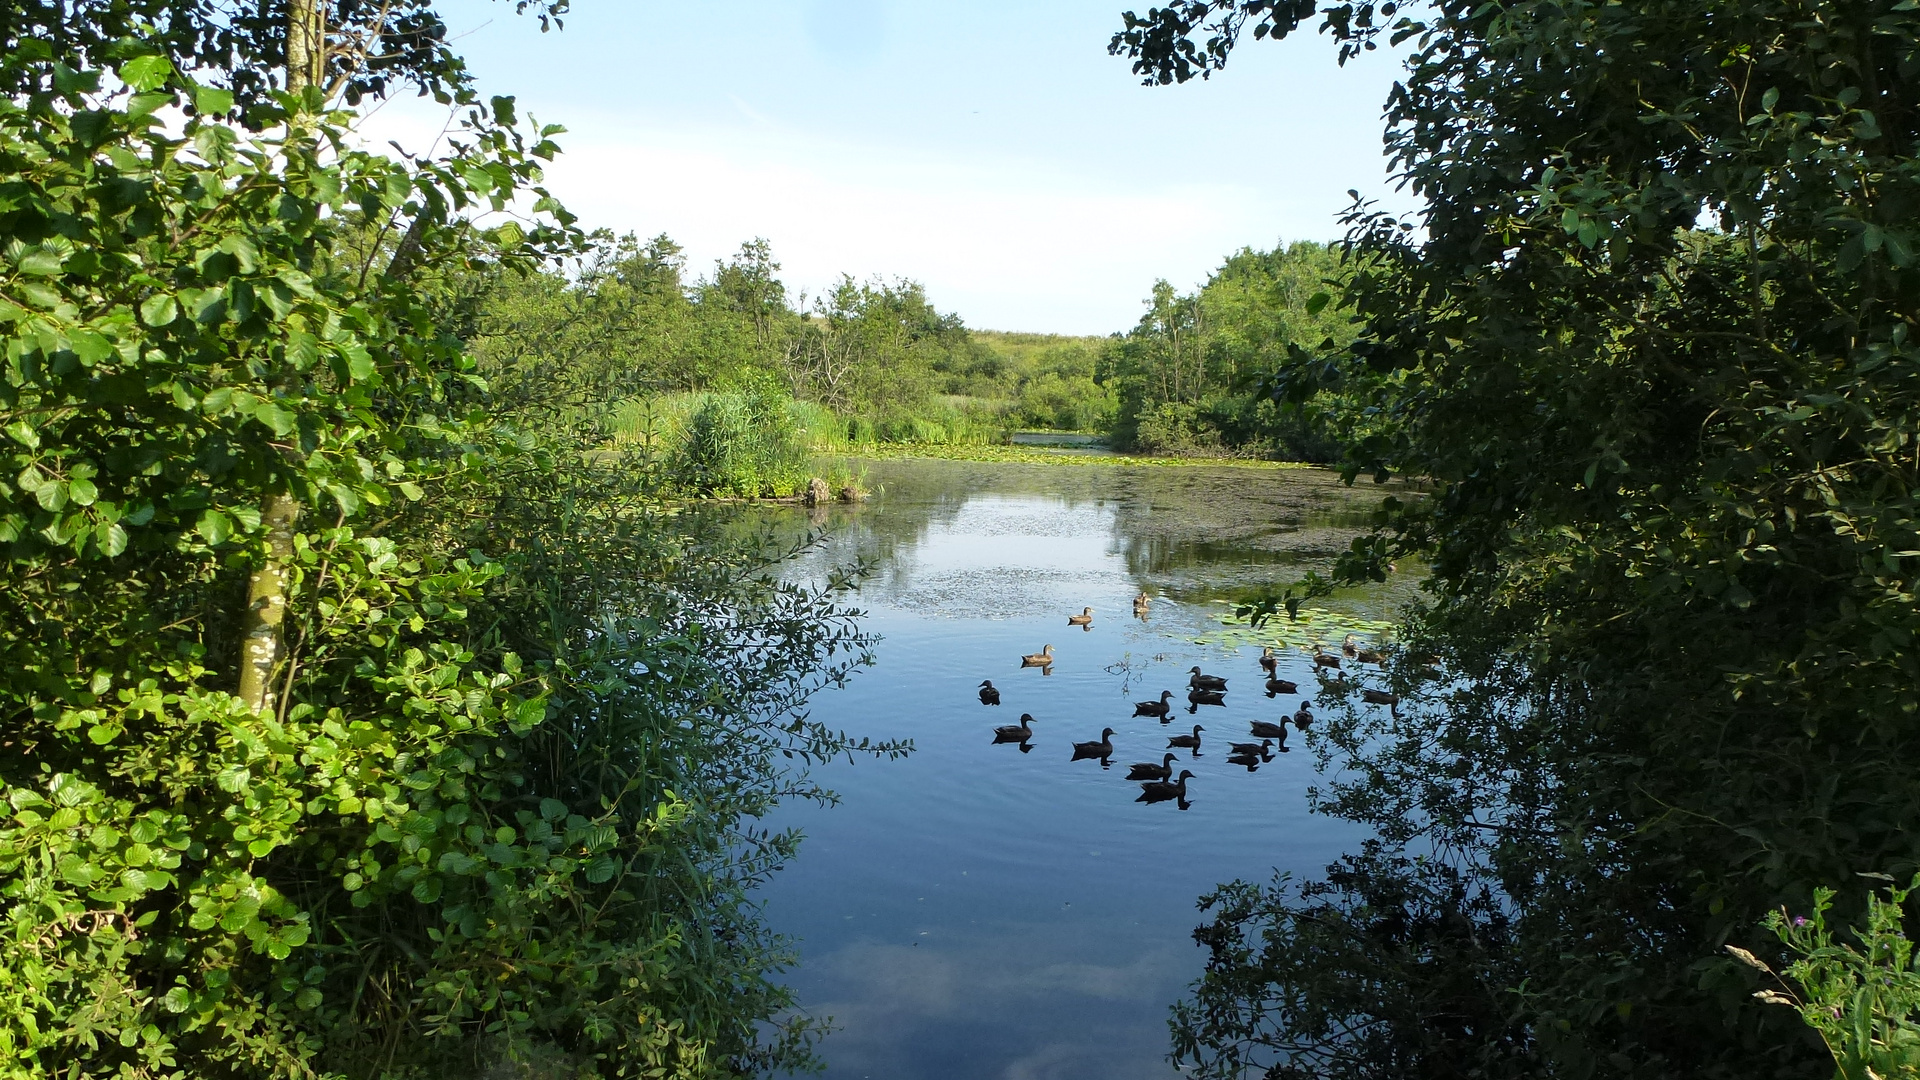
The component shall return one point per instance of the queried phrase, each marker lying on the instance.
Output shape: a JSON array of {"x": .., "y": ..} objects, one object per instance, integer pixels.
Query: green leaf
[
  {"x": 159, "y": 310},
  {"x": 215, "y": 527},
  {"x": 52, "y": 496},
  {"x": 146, "y": 72},
  {"x": 210, "y": 101},
  {"x": 23, "y": 433},
  {"x": 90, "y": 347},
  {"x": 40, "y": 262},
  {"x": 82, "y": 492},
  {"x": 1770, "y": 99}
]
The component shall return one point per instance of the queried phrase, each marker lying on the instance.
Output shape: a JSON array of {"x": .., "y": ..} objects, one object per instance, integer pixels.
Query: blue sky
[{"x": 991, "y": 150}]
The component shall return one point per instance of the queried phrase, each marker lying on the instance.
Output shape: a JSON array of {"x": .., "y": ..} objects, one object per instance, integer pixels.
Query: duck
[
  {"x": 1263, "y": 748},
  {"x": 1381, "y": 697},
  {"x": 1154, "y": 708},
  {"x": 1267, "y": 730},
  {"x": 1303, "y": 718},
  {"x": 1043, "y": 658},
  {"x": 1251, "y": 762},
  {"x": 1321, "y": 659},
  {"x": 1141, "y": 603},
  {"x": 1187, "y": 742},
  {"x": 1147, "y": 770},
  {"x": 1160, "y": 790},
  {"x": 1277, "y": 685},
  {"x": 1102, "y": 749},
  {"x": 1365, "y": 656},
  {"x": 1206, "y": 697},
  {"x": 1085, "y": 618},
  {"x": 1269, "y": 663},
  {"x": 988, "y": 694},
  {"x": 1022, "y": 730},
  {"x": 1201, "y": 681}
]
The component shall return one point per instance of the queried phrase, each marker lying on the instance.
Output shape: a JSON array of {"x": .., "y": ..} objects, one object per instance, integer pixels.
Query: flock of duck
[{"x": 1157, "y": 781}]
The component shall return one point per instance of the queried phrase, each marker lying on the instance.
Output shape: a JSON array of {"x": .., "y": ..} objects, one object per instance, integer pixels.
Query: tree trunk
[
  {"x": 306, "y": 44},
  {"x": 267, "y": 604},
  {"x": 260, "y": 642}
]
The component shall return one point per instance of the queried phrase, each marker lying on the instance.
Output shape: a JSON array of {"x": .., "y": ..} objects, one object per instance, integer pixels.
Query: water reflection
[{"x": 944, "y": 944}]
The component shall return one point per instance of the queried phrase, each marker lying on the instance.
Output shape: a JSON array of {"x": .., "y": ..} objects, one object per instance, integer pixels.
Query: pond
[{"x": 983, "y": 909}]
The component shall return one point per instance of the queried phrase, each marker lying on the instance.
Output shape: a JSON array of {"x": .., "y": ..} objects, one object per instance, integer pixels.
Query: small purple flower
[{"x": 1799, "y": 920}]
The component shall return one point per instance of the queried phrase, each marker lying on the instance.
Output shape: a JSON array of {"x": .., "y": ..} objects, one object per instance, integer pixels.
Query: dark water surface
[{"x": 975, "y": 911}]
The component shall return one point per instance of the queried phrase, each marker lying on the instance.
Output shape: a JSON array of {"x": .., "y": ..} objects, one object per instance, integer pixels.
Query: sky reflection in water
[{"x": 975, "y": 911}]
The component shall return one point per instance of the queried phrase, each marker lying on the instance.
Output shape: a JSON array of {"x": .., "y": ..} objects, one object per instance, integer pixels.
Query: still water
[{"x": 978, "y": 911}]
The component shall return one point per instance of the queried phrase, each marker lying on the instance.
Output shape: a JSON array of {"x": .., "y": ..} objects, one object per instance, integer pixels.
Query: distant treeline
[{"x": 876, "y": 361}]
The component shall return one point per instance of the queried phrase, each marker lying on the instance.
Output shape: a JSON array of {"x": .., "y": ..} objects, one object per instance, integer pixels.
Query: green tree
[
  {"x": 1650, "y": 342},
  {"x": 1188, "y": 375},
  {"x": 497, "y": 800}
]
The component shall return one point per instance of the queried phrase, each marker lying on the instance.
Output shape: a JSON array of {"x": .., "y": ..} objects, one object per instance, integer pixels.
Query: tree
[
  {"x": 493, "y": 799},
  {"x": 1650, "y": 340}
]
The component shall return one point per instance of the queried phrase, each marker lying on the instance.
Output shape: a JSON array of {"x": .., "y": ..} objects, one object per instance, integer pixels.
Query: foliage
[
  {"x": 624, "y": 321},
  {"x": 1651, "y": 340},
  {"x": 503, "y": 801},
  {"x": 1865, "y": 1005},
  {"x": 1036, "y": 455},
  {"x": 374, "y": 48},
  {"x": 1188, "y": 375},
  {"x": 743, "y": 443}
]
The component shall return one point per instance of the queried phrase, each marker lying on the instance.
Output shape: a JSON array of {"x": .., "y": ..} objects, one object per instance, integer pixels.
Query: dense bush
[
  {"x": 1651, "y": 341},
  {"x": 742, "y": 442},
  {"x": 495, "y": 797}
]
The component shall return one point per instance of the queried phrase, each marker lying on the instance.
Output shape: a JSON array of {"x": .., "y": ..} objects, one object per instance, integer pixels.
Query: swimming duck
[
  {"x": 1199, "y": 681},
  {"x": 1141, "y": 603},
  {"x": 1102, "y": 749},
  {"x": 1085, "y": 618},
  {"x": 1381, "y": 697},
  {"x": 989, "y": 695},
  {"x": 1021, "y": 731},
  {"x": 1154, "y": 708},
  {"x": 1147, "y": 770},
  {"x": 1271, "y": 731},
  {"x": 1365, "y": 656},
  {"x": 1321, "y": 659},
  {"x": 1269, "y": 663},
  {"x": 1160, "y": 790},
  {"x": 1303, "y": 718},
  {"x": 1206, "y": 697},
  {"x": 1187, "y": 742},
  {"x": 1043, "y": 658},
  {"x": 1255, "y": 748},
  {"x": 1277, "y": 685},
  {"x": 1251, "y": 762}
]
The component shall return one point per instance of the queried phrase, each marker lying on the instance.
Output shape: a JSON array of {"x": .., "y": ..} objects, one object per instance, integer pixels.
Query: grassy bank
[{"x": 1030, "y": 455}]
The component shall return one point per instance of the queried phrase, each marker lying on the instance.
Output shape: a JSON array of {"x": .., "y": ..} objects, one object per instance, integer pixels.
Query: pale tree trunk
[
  {"x": 306, "y": 44},
  {"x": 267, "y": 603},
  {"x": 261, "y": 638}
]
